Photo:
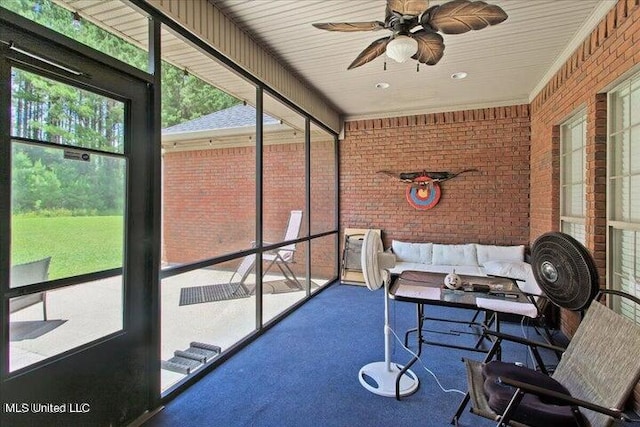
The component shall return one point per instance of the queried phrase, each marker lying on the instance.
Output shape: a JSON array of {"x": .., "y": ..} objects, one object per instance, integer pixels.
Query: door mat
[
  {"x": 229, "y": 291},
  {"x": 212, "y": 293}
]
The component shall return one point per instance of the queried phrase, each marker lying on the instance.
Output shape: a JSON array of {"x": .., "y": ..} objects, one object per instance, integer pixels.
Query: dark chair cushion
[{"x": 533, "y": 410}]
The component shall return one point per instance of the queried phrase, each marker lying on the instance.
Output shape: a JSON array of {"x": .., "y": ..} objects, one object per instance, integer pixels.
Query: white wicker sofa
[{"x": 472, "y": 259}]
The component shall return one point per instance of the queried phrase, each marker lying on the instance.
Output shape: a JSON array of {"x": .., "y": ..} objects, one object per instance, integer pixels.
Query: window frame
[
  {"x": 615, "y": 224},
  {"x": 579, "y": 118}
]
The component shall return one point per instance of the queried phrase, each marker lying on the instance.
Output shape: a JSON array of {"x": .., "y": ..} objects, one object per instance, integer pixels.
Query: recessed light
[
  {"x": 382, "y": 85},
  {"x": 459, "y": 76}
]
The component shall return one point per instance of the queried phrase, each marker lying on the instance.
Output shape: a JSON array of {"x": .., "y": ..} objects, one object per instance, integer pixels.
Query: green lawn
[{"x": 76, "y": 245}]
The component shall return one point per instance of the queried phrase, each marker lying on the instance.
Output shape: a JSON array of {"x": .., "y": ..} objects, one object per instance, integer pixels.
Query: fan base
[{"x": 379, "y": 380}]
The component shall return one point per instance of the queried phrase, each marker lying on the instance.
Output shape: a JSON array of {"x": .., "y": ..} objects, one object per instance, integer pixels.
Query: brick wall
[
  {"x": 604, "y": 58},
  {"x": 490, "y": 206},
  {"x": 612, "y": 49},
  {"x": 208, "y": 204},
  {"x": 209, "y": 201}
]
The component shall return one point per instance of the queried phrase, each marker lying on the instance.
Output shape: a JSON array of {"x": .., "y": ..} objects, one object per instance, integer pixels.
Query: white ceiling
[{"x": 506, "y": 64}]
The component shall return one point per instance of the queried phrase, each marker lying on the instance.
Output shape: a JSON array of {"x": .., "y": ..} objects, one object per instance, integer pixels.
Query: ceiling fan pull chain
[
  {"x": 385, "y": 65},
  {"x": 418, "y": 67}
]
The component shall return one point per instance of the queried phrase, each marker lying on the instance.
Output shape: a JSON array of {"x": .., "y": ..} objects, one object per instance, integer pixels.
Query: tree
[
  {"x": 35, "y": 186},
  {"x": 46, "y": 110}
]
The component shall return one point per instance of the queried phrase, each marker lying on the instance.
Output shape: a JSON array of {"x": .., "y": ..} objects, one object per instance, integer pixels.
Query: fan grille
[{"x": 565, "y": 270}]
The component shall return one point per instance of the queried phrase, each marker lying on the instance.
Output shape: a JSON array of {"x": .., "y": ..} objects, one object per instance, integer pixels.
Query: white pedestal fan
[{"x": 380, "y": 377}]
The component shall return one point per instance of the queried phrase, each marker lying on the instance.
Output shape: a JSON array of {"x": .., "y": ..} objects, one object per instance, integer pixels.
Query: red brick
[
  {"x": 209, "y": 200},
  {"x": 489, "y": 140},
  {"x": 611, "y": 50}
]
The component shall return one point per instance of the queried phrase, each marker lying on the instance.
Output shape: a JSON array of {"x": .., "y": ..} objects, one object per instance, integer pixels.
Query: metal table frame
[{"x": 449, "y": 298}]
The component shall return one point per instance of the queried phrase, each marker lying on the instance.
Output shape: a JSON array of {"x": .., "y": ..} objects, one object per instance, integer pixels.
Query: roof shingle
[{"x": 237, "y": 116}]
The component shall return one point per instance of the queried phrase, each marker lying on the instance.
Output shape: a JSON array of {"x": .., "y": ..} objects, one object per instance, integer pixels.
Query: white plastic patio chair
[{"x": 283, "y": 256}]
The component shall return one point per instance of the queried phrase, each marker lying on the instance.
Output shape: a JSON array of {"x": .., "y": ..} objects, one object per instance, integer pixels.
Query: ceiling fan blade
[
  {"x": 406, "y": 7},
  {"x": 460, "y": 16},
  {"x": 349, "y": 27},
  {"x": 430, "y": 47},
  {"x": 374, "y": 50}
]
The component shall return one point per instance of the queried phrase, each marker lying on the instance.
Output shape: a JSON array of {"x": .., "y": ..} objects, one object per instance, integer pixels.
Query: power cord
[{"x": 451, "y": 390}]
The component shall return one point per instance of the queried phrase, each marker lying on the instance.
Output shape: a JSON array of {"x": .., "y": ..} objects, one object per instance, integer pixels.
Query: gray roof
[{"x": 237, "y": 116}]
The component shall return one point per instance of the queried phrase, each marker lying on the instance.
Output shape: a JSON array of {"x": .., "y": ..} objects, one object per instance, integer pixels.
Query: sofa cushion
[
  {"x": 464, "y": 270},
  {"x": 516, "y": 270},
  {"x": 513, "y": 270},
  {"x": 454, "y": 254},
  {"x": 412, "y": 252},
  {"x": 409, "y": 266},
  {"x": 468, "y": 270},
  {"x": 499, "y": 253}
]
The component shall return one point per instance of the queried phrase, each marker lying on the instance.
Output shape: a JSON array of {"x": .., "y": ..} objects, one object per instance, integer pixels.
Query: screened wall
[{"x": 247, "y": 194}]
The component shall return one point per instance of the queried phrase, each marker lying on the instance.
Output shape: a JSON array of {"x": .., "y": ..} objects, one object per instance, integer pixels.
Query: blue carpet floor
[{"x": 304, "y": 371}]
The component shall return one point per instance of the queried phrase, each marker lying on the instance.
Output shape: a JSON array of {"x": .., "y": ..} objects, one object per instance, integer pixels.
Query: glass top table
[{"x": 427, "y": 288}]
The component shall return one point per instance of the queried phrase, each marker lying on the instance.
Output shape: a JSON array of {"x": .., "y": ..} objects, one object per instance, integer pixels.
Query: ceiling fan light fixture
[
  {"x": 401, "y": 48},
  {"x": 416, "y": 28}
]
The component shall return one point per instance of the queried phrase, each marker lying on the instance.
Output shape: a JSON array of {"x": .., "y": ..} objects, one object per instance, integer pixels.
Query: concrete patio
[{"x": 81, "y": 314}]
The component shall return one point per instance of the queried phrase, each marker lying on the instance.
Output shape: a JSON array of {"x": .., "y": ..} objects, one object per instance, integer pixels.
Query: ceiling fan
[{"x": 415, "y": 26}]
